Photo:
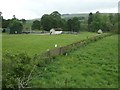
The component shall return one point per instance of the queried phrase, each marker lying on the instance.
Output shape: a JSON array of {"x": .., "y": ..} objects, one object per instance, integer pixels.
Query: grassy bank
[{"x": 93, "y": 66}]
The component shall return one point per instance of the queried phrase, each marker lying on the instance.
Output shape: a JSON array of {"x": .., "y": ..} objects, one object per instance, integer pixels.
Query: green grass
[
  {"x": 36, "y": 44},
  {"x": 92, "y": 66}
]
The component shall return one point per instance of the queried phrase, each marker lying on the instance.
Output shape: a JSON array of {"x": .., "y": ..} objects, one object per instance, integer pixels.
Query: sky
[{"x": 30, "y": 9}]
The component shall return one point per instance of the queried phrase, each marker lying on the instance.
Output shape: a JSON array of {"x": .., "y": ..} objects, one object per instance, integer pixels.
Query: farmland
[
  {"x": 48, "y": 49},
  {"x": 36, "y": 44},
  {"x": 92, "y": 66}
]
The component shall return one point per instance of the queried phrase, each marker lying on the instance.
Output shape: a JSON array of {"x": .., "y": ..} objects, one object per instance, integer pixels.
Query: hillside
[
  {"x": 69, "y": 16},
  {"x": 65, "y": 16}
]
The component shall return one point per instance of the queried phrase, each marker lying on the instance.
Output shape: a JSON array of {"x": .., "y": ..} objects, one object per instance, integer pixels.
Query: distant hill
[
  {"x": 69, "y": 16},
  {"x": 65, "y": 16}
]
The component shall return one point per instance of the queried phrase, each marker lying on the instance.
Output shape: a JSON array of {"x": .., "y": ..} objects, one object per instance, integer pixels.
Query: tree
[
  {"x": 15, "y": 27},
  {"x": 106, "y": 25},
  {"x": 46, "y": 22},
  {"x": 36, "y": 25},
  {"x": 57, "y": 22},
  {"x": 52, "y": 21},
  {"x": 83, "y": 26},
  {"x": 56, "y": 14},
  {"x": 76, "y": 24},
  {"x": 63, "y": 24},
  {"x": 94, "y": 21},
  {"x": 73, "y": 24},
  {"x": 5, "y": 23},
  {"x": 111, "y": 18},
  {"x": 23, "y": 21},
  {"x": 117, "y": 22},
  {"x": 0, "y": 13},
  {"x": 90, "y": 20},
  {"x": 69, "y": 25}
]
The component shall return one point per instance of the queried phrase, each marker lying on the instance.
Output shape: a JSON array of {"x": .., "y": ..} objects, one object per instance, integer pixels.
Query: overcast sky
[{"x": 30, "y": 9}]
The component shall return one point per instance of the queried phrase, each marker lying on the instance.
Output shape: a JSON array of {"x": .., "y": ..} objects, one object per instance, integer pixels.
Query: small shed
[
  {"x": 56, "y": 31},
  {"x": 100, "y": 31},
  {"x": 52, "y": 31}
]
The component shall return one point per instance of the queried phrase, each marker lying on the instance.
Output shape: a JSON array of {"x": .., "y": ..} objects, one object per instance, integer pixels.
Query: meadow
[
  {"x": 37, "y": 44},
  {"x": 92, "y": 66}
]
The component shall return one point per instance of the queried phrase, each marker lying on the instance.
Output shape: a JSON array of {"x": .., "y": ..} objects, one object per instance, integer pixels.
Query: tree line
[
  {"x": 54, "y": 20},
  {"x": 94, "y": 22},
  {"x": 15, "y": 25},
  {"x": 106, "y": 22}
]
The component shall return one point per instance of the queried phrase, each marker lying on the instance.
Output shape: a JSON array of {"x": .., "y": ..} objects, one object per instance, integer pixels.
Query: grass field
[
  {"x": 36, "y": 44},
  {"x": 92, "y": 66}
]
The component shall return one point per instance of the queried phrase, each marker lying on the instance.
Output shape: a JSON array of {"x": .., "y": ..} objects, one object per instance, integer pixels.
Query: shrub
[
  {"x": 15, "y": 27},
  {"x": 16, "y": 70}
]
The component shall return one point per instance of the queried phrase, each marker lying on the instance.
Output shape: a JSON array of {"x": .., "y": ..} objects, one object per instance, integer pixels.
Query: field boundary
[
  {"x": 46, "y": 57},
  {"x": 21, "y": 61}
]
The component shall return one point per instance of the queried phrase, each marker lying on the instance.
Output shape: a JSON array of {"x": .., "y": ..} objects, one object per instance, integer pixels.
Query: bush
[
  {"x": 15, "y": 27},
  {"x": 16, "y": 70}
]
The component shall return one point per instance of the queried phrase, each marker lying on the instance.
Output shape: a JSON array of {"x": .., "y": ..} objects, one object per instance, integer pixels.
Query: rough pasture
[
  {"x": 36, "y": 44},
  {"x": 93, "y": 66}
]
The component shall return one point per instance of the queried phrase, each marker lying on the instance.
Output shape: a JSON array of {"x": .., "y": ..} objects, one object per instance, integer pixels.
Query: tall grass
[{"x": 93, "y": 66}]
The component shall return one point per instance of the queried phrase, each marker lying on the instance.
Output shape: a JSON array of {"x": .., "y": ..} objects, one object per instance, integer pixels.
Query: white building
[
  {"x": 100, "y": 31},
  {"x": 54, "y": 31}
]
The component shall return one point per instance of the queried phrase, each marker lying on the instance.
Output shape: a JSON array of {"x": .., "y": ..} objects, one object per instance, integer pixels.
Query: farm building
[
  {"x": 56, "y": 31},
  {"x": 100, "y": 31}
]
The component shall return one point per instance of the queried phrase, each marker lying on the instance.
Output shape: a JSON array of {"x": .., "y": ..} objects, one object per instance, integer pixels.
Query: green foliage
[
  {"x": 56, "y": 14},
  {"x": 63, "y": 24},
  {"x": 20, "y": 70},
  {"x": 17, "y": 67},
  {"x": 37, "y": 44},
  {"x": 53, "y": 20},
  {"x": 76, "y": 24},
  {"x": 73, "y": 24},
  {"x": 69, "y": 25},
  {"x": 92, "y": 66},
  {"x": 46, "y": 22},
  {"x": 15, "y": 27},
  {"x": 83, "y": 26},
  {"x": 16, "y": 70},
  {"x": 23, "y": 21},
  {"x": 36, "y": 25},
  {"x": 96, "y": 23},
  {"x": 15, "y": 24},
  {"x": 106, "y": 22},
  {"x": 90, "y": 19},
  {"x": 5, "y": 23}
]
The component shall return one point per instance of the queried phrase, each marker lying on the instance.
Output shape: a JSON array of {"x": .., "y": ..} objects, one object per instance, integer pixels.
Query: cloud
[{"x": 29, "y": 9}]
